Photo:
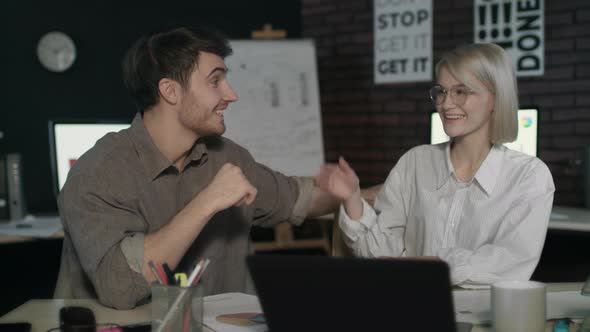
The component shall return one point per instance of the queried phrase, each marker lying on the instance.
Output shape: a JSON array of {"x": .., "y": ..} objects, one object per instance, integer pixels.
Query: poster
[
  {"x": 402, "y": 40},
  {"x": 517, "y": 26}
]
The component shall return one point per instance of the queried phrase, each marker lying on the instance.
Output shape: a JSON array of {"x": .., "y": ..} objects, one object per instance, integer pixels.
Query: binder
[
  {"x": 4, "y": 208},
  {"x": 15, "y": 188}
]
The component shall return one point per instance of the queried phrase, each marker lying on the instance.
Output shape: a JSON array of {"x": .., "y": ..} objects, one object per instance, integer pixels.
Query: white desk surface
[
  {"x": 43, "y": 314},
  {"x": 570, "y": 219}
]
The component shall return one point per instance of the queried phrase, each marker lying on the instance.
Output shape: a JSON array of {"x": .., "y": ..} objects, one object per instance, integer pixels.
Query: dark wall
[
  {"x": 92, "y": 88},
  {"x": 373, "y": 125}
]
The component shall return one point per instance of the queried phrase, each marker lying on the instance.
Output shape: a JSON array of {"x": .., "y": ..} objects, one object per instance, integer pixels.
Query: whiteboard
[{"x": 277, "y": 116}]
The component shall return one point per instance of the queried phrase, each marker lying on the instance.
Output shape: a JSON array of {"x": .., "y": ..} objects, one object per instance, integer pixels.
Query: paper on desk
[
  {"x": 474, "y": 306},
  {"x": 31, "y": 226},
  {"x": 570, "y": 304},
  {"x": 229, "y": 303}
]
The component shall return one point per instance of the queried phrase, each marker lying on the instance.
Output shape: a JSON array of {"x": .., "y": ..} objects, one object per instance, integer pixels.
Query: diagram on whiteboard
[{"x": 277, "y": 116}]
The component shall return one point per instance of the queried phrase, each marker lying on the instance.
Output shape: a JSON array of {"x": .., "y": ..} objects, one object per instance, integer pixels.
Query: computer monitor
[
  {"x": 68, "y": 140},
  {"x": 526, "y": 141}
]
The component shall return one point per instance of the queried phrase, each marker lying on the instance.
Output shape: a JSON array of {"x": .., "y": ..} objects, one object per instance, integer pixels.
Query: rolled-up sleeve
[
  {"x": 98, "y": 224},
  {"x": 280, "y": 198},
  {"x": 303, "y": 201}
]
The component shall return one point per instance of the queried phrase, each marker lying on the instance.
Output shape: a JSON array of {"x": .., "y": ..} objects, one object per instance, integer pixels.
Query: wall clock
[{"x": 56, "y": 51}]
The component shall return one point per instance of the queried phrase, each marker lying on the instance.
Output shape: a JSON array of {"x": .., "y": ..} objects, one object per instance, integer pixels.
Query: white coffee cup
[{"x": 519, "y": 306}]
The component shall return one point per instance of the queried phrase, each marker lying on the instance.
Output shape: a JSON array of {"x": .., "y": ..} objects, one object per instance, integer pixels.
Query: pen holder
[{"x": 176, "y": 308}]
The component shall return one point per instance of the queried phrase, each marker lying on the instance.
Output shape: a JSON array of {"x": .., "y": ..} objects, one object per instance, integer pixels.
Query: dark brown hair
[{"x": 170, "y": 54}]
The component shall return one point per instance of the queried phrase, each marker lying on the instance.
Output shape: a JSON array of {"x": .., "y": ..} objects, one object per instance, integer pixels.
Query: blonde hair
[{"x": 492, "y": 66}]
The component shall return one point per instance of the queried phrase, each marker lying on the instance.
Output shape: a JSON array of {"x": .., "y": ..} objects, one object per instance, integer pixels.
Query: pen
[
  {"x": 155, "y": 272},
  {"x": 176, "y": 304},
  {"x": 174, "y": 308},
  {"x": 162, "y": 274},
  {"x": 168, "y": 273},
  {"x": 201, "y": 270},
  {"x": 195, "y": 272},
  {"x": 180, "y": 279}
]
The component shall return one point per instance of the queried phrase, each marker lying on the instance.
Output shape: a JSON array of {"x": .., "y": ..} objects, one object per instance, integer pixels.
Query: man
[{"x": 170, "y": 189}]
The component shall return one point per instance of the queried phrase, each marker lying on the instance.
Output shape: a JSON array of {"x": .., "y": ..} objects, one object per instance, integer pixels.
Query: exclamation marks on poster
[
  {"x": 507, "y": 19},
  {"x": 495, "y": 21}
]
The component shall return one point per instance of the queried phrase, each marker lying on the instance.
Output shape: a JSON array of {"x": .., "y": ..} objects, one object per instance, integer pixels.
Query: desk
[
  {"x": 43, "y": 314},
  {"x": 551, "y": 287},
  {"x": 562, "y": 218},
  {"x": 570, "y": 219}
]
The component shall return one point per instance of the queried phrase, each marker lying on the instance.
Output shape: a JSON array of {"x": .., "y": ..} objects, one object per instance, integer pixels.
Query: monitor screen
[
  {"x": 526, "y": 141},
  {"x": 70, "y": 139}
]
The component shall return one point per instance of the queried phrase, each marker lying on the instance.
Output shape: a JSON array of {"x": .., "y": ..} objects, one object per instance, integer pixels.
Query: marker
[
  {"x": 181, "y": 279},
  {"x": 155, "y": 272},
  {"x": 192, "y": 279},
  {"x": 203, "y": 263}
]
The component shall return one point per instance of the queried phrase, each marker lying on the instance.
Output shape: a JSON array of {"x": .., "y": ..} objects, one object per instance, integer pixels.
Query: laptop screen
[
  {"x": 526, "y": 141},
  {"x": 321, "y": 293},
  {"x": 68, "y": 140}
]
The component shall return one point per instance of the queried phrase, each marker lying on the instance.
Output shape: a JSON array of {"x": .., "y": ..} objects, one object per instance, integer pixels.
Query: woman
[{"x": 471, "y": 202}]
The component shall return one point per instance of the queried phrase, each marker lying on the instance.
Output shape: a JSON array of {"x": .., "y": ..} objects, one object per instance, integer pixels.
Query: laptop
[{"x": 321, "y": 293}]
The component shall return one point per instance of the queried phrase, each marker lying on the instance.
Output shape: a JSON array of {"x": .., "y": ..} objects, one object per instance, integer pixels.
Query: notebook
[{"x": 321, "y": 293}]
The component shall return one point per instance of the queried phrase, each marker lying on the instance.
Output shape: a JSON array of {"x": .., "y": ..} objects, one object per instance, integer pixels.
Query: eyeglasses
[{"x": 459, "y": 94}]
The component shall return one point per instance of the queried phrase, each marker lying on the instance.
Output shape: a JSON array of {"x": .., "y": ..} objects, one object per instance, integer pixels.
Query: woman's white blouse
[{"x": 490, "y": 229}]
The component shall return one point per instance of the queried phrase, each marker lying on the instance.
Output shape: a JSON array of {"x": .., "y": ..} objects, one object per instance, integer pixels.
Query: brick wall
[{"x": 373, "y": 125}]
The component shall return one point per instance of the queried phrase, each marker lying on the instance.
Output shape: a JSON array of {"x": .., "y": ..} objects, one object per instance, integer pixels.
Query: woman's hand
[
  {"x": 341, "y": 181},
  {"x": 338, "y": 179}
]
